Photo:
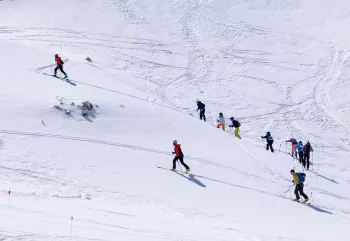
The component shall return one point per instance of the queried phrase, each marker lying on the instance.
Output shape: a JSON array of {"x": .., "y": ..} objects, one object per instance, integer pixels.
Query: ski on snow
[{"x": 66, "y": 79}]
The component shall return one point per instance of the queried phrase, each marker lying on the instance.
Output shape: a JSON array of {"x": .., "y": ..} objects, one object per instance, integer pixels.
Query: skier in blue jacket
[
  {"x": 299, "y": 149},
  {"x": 201, "y": 108}
]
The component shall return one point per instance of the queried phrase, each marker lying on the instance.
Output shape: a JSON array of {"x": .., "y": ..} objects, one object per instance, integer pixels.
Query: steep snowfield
[{"x": 279, "y": 66}]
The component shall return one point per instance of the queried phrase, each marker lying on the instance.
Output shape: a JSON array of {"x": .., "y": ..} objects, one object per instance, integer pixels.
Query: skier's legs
[
  {"x": 271, "y": 147},
  {"x": 307, "y": 161},
  {"x": 267, "y": 146},
  {"x": 182, "y": 162},
  {"x": 296, "y": 191},
  {"x": 301, "y": 190},
  {"x": 222, "y": 126},
  {"x": 61, "y": 68},
  {"x": 236, "y": 132},
  {"x": 301, "y": 156},
  {"x": 202, "y": 115},
  {"x": 56, "y": 70},
  {"x": 304, "y": 160},
  {"x": 174, "y": 162}
]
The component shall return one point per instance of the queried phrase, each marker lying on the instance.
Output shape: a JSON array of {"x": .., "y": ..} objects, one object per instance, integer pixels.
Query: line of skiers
[
  {"x": 297, "y": 150},
  {"x": 298, "y": 177},
  {"x": 220, "y": 120},
  {"x": 303, "y": 151}
]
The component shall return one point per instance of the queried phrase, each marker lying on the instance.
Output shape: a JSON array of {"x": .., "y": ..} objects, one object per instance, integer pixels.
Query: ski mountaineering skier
[
  {"x": 236, "y": 125},
  {"x": 201, "y": 108},
  {"x": 59, "y": 66},
  {"x": 307, "y": 149},
  {"x": 269, "y": 140},
  {"x": 294, "y": 144},
  {"x": 179, "y": 156},
  {"x": 298, "y": 180},
  {"x": 299, "y": 149},
  {"x": 221, "y": 122}
]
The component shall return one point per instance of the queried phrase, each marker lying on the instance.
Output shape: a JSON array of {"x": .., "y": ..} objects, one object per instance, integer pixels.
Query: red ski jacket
[
  {"x": 178, "y": 151},
  {"x": 59, "y": 61}
]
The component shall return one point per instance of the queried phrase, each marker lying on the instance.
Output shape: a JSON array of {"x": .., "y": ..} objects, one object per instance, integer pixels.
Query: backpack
[
  {"x": 301, "y": 177},
  {"x": 238, "y": 124}
]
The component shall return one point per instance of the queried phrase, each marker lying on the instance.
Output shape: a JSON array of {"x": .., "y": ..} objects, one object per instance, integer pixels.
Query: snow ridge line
[{"x": 34, "y": 134}]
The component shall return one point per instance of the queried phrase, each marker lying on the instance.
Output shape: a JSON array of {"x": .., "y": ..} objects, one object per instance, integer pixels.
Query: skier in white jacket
[{"x": 221, "y": 122}]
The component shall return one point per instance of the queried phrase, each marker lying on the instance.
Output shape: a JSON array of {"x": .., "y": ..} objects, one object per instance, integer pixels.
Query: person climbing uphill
[
  {"x": 201, "y": 108},
  {"x": 269, "y": 140},
  {"x": 59, "y": 66},
  {"x": 307, "y": 149},
  {"x": 221, "y": 122},
  {"x": 235, "y": 124},
  {"x": 299, "y": 149},
  {"x": 298, "y": 180},
  {"x": 294, "y": 144},
  {"x": 179, "y": 156}
]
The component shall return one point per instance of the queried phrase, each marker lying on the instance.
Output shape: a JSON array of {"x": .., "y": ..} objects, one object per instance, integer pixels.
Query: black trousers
[
  {"x": 60, "y": 67},
  {"x": 202, "y": 115},
  {"x": 181, "y": 159},
  {"x": 269, "y": 145},
  {"x": 301, "y": 157},
  {"x": 306, "y": 161},
  {"x": 299, "y": 188}
]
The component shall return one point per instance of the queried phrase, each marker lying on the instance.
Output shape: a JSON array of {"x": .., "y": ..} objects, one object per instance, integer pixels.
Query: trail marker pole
[
  {"x": 71, "y": 225},
  {"x": 9, "y": 192}
]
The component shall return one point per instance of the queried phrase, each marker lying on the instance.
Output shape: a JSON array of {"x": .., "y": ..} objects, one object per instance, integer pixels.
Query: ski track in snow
[{"x": 141, "y": 60}]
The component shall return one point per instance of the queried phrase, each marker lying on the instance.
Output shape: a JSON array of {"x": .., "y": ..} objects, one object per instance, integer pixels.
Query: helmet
[
  {"x": 56, "y": 55},
  {"x": 268, "y": 133},
  {"x": 197, "y": 101},
  {"x": 220, "y": 114},
  {"x": 308, "y": 142},
  {"x": 232, "y": 118},
  {"x": 175, "y": 142},
  {"x": 300, "y": 142}
]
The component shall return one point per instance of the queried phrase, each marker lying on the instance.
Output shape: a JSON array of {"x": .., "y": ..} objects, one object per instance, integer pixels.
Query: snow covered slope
[{"x": 278, "y": 66}]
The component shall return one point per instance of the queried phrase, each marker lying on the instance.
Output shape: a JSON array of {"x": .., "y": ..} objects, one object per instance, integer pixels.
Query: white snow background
[{"x": 275, "y": 65}]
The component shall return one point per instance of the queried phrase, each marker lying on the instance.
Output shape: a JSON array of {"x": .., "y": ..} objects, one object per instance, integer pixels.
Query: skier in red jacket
[
  {"x": 179, "y": 156},
  {"x": 59, "y": 66}
]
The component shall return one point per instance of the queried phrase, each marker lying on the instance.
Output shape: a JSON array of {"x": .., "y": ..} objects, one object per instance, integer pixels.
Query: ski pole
[
  {"x": 286, "y": 149},
  {"x": 263, "y": 142},
  {"x": 180, "y": 167},
  {"x": 279, "y": 150},
  {"x": 313, "y": 161}
]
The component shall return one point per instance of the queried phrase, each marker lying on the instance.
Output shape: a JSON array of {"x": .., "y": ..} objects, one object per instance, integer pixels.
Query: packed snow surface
[{"x": 275, "y": 65}]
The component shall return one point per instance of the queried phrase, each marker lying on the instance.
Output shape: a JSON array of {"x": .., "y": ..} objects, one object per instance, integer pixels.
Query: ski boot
[
  {"x": 306, "y": 200},
  {"x": 173, "y": 169},
  {"x": 296, "y": 200},
  {"x": 188, "y": 170}
]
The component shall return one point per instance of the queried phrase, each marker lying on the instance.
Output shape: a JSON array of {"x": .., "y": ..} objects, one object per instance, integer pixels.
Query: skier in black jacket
[
  {"x": 269, "y": 139},
  {"x": 201, "y": 108},
  {"x": 236, "y": 125}
]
